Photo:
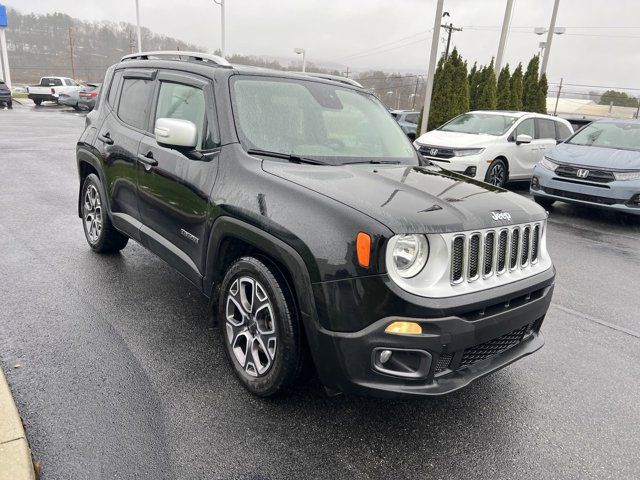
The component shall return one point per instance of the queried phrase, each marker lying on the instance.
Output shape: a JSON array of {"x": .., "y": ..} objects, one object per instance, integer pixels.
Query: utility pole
[
  {"x": 432, "y": 67},
  {"x": 552, "y": 28},
  {"x": 73, "y": 67},
  {"x": 347, "y": 73},
  {"x": 221, "y": 3},
  {"x": 506, "y": 23},
  {"x": 450, "y": 28},
  {"x": 555, "y": 110},
  {"x": 138, "y": 22},
  {"x": 415, "y": 94}
]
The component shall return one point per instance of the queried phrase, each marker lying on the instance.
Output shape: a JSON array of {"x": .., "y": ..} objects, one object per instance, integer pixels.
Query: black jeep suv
[{"x": 298, "y": 206}]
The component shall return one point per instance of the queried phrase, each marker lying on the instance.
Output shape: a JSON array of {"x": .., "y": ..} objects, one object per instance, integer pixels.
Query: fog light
[
  {"x": 634, "y": 201},
  {"x": 385, "y": 355},
  {"x": 404, "y": 328},
  {"x": 470, "y": 172},
  {"x": 535, "y": 183}
]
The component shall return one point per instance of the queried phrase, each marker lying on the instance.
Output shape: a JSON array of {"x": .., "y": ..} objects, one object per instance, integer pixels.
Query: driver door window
[{"x": 527, "y": 127}]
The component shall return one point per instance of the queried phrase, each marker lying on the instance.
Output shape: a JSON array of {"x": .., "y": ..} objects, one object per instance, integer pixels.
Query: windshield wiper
[
  {"x": 287, "y": 156},
  {"x": 376, "y": 162}
]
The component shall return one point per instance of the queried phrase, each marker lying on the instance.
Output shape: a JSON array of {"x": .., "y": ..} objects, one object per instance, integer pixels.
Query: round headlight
[{"x": 410, "y": 254}]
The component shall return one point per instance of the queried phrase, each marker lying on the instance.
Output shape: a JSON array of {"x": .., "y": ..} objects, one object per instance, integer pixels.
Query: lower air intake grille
[
  {"x": 493, "y": 347},
  {"x": 443, "y": 362}
]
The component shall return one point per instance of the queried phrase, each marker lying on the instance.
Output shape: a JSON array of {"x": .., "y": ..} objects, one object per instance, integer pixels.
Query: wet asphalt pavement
[{"x": 122, "y": 377}]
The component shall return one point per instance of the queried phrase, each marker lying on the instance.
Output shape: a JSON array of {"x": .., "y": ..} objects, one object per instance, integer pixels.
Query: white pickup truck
[{"x": 50, "y": 88}]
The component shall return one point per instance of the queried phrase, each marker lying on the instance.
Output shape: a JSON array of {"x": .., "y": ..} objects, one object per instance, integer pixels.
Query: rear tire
[
  {"x": 497, "y": 173},
  {"x": 10, "y": 105},
  {"x": 260, "y": 327},
  {"x": 37, "y": 102},
  {"x": 100, "y": 233},
  {"x": 546, "y": 203}
]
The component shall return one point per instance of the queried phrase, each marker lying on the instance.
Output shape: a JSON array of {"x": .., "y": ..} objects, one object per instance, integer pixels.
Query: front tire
[
  {"x": 497, "y": 173},
  {"x": 260, "y": 327},
  {"x": 100, "y": 233}
]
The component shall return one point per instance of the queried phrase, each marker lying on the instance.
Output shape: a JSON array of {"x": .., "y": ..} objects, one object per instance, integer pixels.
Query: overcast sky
[{"x": 600, "y": 47}]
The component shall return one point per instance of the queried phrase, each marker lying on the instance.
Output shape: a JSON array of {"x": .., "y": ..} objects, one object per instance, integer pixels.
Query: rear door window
[
  {"x": 546, "y": 129},
  {"x": 113, "y": 88},
  {"x": 411, "y": 118},
  {"x": 135, "y": 102}
]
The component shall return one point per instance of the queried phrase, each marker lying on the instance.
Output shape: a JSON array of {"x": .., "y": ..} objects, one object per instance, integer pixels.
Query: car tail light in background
[
  {"x": 53, "y": 91},
  {"x": 89, "y": 94}
]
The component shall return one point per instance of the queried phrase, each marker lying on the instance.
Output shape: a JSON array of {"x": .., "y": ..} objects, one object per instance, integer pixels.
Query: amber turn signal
[
  {"x": 363, "y": 249},
  {"x": 404, "y": 328}
]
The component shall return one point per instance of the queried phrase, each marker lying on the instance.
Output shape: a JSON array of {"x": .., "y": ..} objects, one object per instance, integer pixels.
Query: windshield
[
  {"x": 624, "y": 136},
  {"x": 325, "y": 122},
  {"x": 479, "y": 124}
]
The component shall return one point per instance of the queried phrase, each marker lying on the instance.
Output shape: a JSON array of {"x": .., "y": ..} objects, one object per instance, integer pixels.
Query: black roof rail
[{"x": 178, "y": 55}]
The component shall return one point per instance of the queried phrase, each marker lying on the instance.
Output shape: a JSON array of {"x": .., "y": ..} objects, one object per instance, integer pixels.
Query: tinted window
[
  {"x": 411, "y": 118},
  {"x": 55, "y": 82},
  {"x": 111, "y": 97},
  {"x": 135, "y": 101},
  {"x": 562, "y": 131},
  {"x": 184, "y": 102},
  {"x": 546, "y": 128},
  {"x": 527, "y": 127}
]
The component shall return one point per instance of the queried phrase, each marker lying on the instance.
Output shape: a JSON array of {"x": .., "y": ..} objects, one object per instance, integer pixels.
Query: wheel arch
[
  {"x": 87, "y": 164},
  {"x": 232, "y": 238}
]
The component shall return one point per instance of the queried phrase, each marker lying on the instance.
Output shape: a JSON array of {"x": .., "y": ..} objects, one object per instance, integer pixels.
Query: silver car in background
[{"x": 598, "y": 166}]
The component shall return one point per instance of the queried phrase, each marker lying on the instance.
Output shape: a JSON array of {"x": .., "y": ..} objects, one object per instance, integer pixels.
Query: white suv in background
[{"x": 493, "y": 146}]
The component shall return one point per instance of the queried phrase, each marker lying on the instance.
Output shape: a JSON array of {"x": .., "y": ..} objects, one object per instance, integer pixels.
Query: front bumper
[
  {"x": 454, "y": 349},
  {"x": 615, "y": 196}
]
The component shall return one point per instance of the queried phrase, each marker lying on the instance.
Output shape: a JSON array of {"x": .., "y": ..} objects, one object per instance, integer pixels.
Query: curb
[{"x": 15, "y": 454}]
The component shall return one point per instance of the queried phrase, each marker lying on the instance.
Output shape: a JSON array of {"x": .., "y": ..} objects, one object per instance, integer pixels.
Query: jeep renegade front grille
[{"x": 476, "y": 255}]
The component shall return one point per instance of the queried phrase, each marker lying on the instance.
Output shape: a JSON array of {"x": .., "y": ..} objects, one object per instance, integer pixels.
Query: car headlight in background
[
  {"x": 410, "y": 254},
  {"x": 547, "y": 163},
  {"x": 465, "y": 152},
  {"x": 626, "y": 175}
]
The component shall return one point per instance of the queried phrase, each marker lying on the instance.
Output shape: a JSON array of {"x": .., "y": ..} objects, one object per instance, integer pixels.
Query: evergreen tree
[
  {"x": 474, "y": 77},
  {"x": 515, "y": 100},
  {"x": 541, "y": 99},
  {"x": 530, "y": 86},
  {"x": 488, "y": 97},
  {"x": 504, "y": 89},
  {"x": 440, "y": 96},
  {"x": 460, "y": 86}
]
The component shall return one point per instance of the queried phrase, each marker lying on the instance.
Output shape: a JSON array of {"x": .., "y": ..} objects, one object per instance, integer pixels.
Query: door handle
[
  {"x": 106, "y": 138},
  {"x": 147, "y": 160}
]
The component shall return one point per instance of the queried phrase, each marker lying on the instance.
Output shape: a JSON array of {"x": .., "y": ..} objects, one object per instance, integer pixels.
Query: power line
[{"x": 373, "y": 50}]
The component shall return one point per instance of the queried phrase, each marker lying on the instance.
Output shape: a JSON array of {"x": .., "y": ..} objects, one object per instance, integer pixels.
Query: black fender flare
[
  {"x": 228, "y": 227},
  {"x": 85, "y": 155}
]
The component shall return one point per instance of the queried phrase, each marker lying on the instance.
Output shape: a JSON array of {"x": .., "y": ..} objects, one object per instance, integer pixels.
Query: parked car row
[
  {"x": 599, "y": 165},
  {"x": 64, "y": 91}
]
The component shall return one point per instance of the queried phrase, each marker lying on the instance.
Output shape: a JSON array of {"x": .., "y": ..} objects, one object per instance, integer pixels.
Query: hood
[
  {"x": 597, "y": 157},
  {"x": 411, "y": 199},
  {"x": 439, "y": 138}
]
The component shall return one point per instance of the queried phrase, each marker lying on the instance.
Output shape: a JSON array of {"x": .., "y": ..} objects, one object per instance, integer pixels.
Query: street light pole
[
  {"x": 73, "y": 68},
  {"x": 506, "y": 23},
  {"x": 138, "y": 23},
  {"x": 432, "y": 66},
  {"x": 552, "y": 27},
  {"x": 222, "y": 26}
]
